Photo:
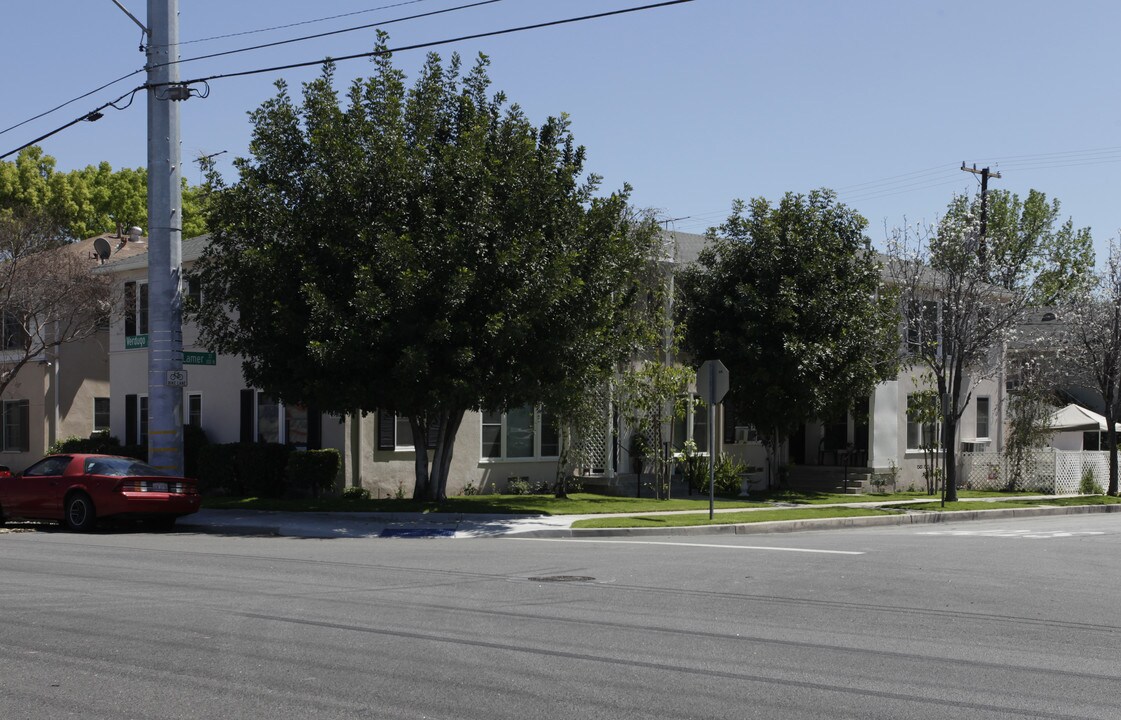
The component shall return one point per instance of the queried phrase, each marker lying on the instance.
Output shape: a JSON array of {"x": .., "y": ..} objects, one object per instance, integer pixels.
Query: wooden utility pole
[{"x": 985, "y": 173}]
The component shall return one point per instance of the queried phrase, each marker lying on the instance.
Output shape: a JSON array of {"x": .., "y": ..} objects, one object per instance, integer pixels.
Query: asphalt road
[{"x": 1001, "y": 619}]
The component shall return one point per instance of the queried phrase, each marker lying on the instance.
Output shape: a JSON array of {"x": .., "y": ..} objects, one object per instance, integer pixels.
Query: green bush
[
  {"x": 518, "y": 486},
  {"x": 1089, "y": 485},
  {"x": 216, "y": 474},
  {"x": 259, "y": 468},
  {"x": 311, "y": 472},
  {"x": 101, "y": 443},
  {"x": 194, "y": 440},
  {"x": 356, "y": 493},
  {"x": 727, "y": 475}
]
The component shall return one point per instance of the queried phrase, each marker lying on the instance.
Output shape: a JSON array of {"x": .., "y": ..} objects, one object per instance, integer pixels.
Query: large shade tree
[
  {"x": 964, "y": 290},
  {"x": 88, "y": 201},
  {"x": 789, "y": 297},
  {"x": 424, "y": 251}
]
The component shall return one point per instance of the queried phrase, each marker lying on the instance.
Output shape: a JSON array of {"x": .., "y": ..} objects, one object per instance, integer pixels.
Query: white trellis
[
  {"x": 594, "y": 448},
  {"x": 1054, "y": 472}
]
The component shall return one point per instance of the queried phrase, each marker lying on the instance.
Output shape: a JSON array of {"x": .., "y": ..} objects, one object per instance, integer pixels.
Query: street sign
[
  {"x": 712, "y": 381},
  {"x": 177, "y": 378},
  {"x": 199, "y": 357}
]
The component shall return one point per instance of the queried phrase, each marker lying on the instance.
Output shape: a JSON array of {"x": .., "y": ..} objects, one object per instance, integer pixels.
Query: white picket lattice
[
  {"x": 1054, "y": 472},
  {"x": 594, "y": 448}
]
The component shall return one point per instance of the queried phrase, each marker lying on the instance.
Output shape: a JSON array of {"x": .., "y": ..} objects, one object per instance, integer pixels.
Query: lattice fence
[
  {"x": 1054, "y": 472},
  {"x": 594, "y": 447}
]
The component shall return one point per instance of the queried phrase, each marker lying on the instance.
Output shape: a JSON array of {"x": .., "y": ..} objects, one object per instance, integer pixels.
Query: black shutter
[
  {"x": 130, "y": 310},
  {"x": 247, "y": 398},
  {"x": 314, "y": 428},
  {"x": 25, "y": 425},
  {"x": 130, "y": 419},
  {"x": 729, "y": 423},
  {"x": 387, "y": 430},
  {"x": 433, "y": 434}
]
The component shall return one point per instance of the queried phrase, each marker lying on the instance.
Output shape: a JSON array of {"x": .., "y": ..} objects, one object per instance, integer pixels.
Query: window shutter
[
  {"x": 314, "y": 428},
  {"x": 130, "y": 309},
  {"x": 24, "y": 425},
  {"x": 130, "y": 419},
  {"x": 433, "y": 434},
  {"x": 729, "y": 423},
  {"x": 387, "y": 430},
  {"x": 247, "y": 398}
]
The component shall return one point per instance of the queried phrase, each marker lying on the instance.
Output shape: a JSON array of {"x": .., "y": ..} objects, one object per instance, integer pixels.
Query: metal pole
[
  {"x": 165, "y": 346},
  {"x": 711, "y": 442}
]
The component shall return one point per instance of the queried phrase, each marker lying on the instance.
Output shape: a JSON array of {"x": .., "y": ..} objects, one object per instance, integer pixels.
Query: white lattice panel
[
  {"x": 1057, "y": 472},
  {"x": 595, "y": 446}
]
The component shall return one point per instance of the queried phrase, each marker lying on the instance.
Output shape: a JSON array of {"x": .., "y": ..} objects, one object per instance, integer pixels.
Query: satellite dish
[{"x": 101, "y": 248}]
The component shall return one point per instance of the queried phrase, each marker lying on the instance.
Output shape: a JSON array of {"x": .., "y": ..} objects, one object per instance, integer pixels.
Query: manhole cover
[{"x": 563, "y": 578}]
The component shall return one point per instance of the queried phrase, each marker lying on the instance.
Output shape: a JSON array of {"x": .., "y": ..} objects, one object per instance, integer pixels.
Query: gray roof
[{"x": 192, "y": 249}]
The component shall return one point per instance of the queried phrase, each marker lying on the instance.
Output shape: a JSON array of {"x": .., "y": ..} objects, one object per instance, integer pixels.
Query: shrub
[
  {"x": 1089, "y": 485},
  {"x": 312, "y": 471},
  {"x": 727, "y": 475},
  {"x": 259, "y": 468},
  {"x": 194, "y": 439},
  {"x": 101, "y": 443},
  {"x": 216, "y": 470},
  {"x": 518, "y": 486},
  {"x": 356, "y": 493}
]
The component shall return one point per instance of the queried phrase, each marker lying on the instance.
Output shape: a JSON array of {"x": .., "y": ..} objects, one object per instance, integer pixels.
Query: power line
[
  {"x": 259, "y": 47},
  {"x": 333, "y": 32},
  {"x": 298, "y": 24},
  {"x": 416, "y": 46},
  {"x": 435, "y": 43}
]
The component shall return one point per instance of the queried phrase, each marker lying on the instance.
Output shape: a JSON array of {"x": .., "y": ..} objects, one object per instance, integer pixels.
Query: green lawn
[{"x": 666, "y": 521}]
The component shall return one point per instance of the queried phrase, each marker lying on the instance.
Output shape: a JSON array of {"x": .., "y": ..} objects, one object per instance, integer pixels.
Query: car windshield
[{"x": 119, "y": 467}]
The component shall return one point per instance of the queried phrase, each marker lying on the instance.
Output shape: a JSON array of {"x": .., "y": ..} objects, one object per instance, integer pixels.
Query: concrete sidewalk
[{"x": 461, "y": 525}]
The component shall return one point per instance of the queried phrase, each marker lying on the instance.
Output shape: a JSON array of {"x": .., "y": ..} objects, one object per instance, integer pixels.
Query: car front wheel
[{"x": 79, "y": 514}]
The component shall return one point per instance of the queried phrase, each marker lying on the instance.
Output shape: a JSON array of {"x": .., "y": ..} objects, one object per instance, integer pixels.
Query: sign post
[{"x": 712, "y": 386}]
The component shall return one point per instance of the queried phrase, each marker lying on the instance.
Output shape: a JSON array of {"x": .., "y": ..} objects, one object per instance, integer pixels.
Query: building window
[
  {"x": 523, "y": 433},
  {"x": 17, "y": 426},
  {"x": 136, "y": 309},
  {"x": 194, "y": 409},
  {"x": 922, "y": 326},
  {"x": 920, "y": 435},
  {"x": 14, "y": 333},
  {"x": 194, "y": 292},
  {"x": 100, "y": 413},
  {"x": 693, "y": 425},
  {"x": 268, "y": 418},
  {"x": 296, "y": 426},
  {"x": 982, "y": 417}
]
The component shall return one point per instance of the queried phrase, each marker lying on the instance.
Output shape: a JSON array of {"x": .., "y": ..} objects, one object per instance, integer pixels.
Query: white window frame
[
  {"x": 503, "y": 434},
  {"x": 281, "y": 419},
  {"x": 194, "y": 396},
  {"x": 108, "y": 413},
  {"x": 923, "y": 430}
]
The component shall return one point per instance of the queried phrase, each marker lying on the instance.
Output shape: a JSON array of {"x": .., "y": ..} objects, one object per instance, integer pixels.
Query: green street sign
[
  {"x": 134, "y": 342},
  {"x": 199, "y": 357}
]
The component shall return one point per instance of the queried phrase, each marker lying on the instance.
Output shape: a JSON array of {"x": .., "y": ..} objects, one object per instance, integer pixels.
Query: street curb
[
  {"x": 911, "y": 517},
  {"x": 239, "y": 530}
]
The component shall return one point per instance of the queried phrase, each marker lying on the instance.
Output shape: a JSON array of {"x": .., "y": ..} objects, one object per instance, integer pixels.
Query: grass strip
[
  {"x": 1006, "y": 504},
  {"x": 736, "y": 518}
]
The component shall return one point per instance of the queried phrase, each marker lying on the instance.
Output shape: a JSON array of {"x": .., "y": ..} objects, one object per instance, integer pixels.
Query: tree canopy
[
  {"x": 89, "y": 201},
  {"x": 425, "y": 251},
  {"x": 789, "y": 297}
]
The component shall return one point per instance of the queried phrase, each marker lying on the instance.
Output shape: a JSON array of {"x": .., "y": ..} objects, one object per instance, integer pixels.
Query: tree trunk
[
  {"x": 450, "y": 421},
  {"x": 420, "y": 466},
  {"x": 1111, "y": 444},
  {"x": 951, "y": 429}
]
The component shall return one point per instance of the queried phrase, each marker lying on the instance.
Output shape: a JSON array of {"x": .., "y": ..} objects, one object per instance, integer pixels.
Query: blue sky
[{"x": 694, "y": 105}]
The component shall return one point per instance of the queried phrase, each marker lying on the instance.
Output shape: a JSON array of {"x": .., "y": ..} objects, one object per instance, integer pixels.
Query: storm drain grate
[{"x": 563, "y": 578}]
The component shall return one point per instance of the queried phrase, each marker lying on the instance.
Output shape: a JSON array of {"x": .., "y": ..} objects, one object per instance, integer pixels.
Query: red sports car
[{"x": 79, "y": 489}]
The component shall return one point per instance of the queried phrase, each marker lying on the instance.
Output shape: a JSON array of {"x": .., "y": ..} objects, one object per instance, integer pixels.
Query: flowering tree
[
  {"x": 1092, "y": 351},
  {"x": 962, "y": 294}
]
